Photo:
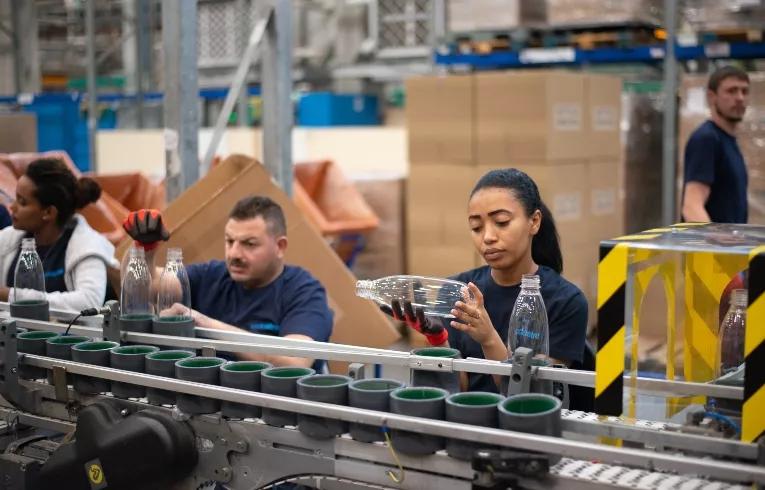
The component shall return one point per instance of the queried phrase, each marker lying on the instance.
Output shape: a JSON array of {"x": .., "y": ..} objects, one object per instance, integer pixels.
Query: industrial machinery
[{"x": 53, "y": 437}]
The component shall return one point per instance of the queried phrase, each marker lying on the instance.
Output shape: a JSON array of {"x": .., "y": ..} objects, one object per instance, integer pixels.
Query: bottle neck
[
  {"x": 174, "y": 255},
  {"x": 28, "y": 245},
  {"x": 137, "y": 253},
  {"x": 365, "y": 289},
  {"x": 530, "y": 283},
  {"x": 739, "y": 298}
]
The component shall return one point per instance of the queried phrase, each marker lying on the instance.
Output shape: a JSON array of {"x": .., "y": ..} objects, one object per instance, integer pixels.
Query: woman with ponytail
[
  {"x": 515, "y": 233},
  {"x": 74, "y": 256}
]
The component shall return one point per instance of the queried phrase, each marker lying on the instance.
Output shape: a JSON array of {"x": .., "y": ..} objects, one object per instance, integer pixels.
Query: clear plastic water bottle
[
  {"x": 528, "y": 321},
  {"x": 732, "y": 331},
  {"x": 29, "y": 277},
  {"x": 135, "y": 297},
  {"x": 174, "y": 289},
  {"x": 434, "y": 295}
]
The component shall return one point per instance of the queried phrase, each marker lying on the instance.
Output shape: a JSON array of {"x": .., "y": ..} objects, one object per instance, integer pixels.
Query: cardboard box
[
  {"x": 605, "y": 206},
  {"x": 567, "y": 12},
  {"x": 439, "y": 118},
  {"x": 384, "y": 249},
  {"x": 529, "y": 116},
  {"x": 437, "y": 231},
  {"x": 484, "y": 15},
  {"x": 603, "y": 95},
  {"x": 436, "y": 198},
  {"x": 196, "y": 220},
  {"x": 440, "y": 260},
  {"x": 19, "y": 132}
]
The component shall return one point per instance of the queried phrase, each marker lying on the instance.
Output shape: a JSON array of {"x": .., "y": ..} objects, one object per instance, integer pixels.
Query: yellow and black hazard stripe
[
  {"x": 609, "y": 360},
  {"x": 753, "y": 421}
]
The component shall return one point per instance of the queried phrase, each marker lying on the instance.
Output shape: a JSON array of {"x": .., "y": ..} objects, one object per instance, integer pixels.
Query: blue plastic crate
[
  {"x": 61, "y": 126},
  {"x": 328, "y": 109}
]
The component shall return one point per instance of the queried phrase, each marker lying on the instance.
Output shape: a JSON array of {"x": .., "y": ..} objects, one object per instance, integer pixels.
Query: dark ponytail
[
  {"x": 545, "y": 245},
  {"x": 88, "y": 192},
  {"x": 57, "y": 186}
]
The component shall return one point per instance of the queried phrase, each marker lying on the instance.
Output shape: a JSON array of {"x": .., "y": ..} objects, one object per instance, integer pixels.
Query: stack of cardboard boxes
[
  {"x": 470, "y": 16},
  {"x": 561, "y": 128},
  {"x": 440, "y": 113}
]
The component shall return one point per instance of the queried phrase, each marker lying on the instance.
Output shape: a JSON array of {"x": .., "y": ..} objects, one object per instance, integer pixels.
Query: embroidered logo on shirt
[
  {"x": 55, "y": 273},
  {"x": 265, "y": 328}
]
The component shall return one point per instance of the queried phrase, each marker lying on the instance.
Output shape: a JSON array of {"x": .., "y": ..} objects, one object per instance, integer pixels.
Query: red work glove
[
  {"x": 146, "y": 228},
  {"x": 416, "y": 319}
]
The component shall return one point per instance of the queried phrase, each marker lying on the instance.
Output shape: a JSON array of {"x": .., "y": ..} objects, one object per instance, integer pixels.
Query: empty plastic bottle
[
  {"x": 732, "y": 330},
  {"x": 29, "y": 277},
  {"x": 135, "y": 298},
  {"x": 174, "y": 289},
  {"x": 528, "y": 321},
  {"x": 434, "y": 295}
]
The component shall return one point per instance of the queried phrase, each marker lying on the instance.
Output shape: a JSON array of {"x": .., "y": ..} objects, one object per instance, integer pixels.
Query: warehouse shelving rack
[{"x": 572, "y": 56}]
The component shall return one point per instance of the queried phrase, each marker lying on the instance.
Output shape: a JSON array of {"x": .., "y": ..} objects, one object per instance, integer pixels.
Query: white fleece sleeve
[{"x": 89, "y": 277}]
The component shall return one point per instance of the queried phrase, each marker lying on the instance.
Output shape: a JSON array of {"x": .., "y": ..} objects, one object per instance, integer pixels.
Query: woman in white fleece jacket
[{"x": 75, "y": 257}]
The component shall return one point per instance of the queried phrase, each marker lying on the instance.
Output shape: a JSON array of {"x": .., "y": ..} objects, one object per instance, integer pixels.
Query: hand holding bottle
[
  {"x": 473, "y": 319},
  {"x": 415, "y": 318}
]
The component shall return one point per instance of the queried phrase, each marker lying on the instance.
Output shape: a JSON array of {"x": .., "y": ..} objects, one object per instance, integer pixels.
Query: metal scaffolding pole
[
  {"x": 276, "y": 75},
  {"x": 669, "y": 153},
  {"x": 181, "y": 103},
  {"x": 256, "y": 37},
  {"x": 90, "y": 31},
  {"x": 143, "y": 54},
  {"x": 26, "y": 55},
  {"x": 243, "y": 9}
]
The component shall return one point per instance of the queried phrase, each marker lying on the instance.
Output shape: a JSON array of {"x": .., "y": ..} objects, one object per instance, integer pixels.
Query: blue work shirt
[
  {"x": 5, "y": 217},
  {"x": 294, "y": 303},
  {"x": 712, "y": 157},
  {"x": 566, "y": 317}
]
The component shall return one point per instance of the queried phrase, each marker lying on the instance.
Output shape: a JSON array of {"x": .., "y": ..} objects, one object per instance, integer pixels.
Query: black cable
[
  {"x": 66, "y": 332},
  {"x": 87, "y": 312}
]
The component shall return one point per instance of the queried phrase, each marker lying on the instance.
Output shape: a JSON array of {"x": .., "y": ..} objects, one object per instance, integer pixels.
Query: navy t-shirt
[
  {"x": 712, "y": 157},
  {"x": 5, "y": 217},
  {"x": 566, "y": 316},
  {"x": 294, "y": 303}
]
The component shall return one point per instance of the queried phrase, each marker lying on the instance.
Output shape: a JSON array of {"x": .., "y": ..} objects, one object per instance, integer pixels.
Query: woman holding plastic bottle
[
  {"x": 74, "y": 256},
  {"x": 515, "y": 233}
]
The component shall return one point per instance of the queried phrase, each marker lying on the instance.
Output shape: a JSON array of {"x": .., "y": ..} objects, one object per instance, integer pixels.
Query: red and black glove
[
  {"x": 146, "y": 228},
  {"x": 415, "y": 318}
]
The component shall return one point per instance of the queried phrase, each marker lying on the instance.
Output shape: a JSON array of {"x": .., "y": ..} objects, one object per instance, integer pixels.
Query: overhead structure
[{"x": 271, "y": 39}]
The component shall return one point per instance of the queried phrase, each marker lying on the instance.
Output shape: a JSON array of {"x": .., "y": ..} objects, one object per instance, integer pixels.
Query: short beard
[{"x": 730, "y": 119}]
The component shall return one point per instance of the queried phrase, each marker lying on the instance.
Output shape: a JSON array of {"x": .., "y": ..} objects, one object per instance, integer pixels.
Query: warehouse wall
[{"x": 358, "y": 151}]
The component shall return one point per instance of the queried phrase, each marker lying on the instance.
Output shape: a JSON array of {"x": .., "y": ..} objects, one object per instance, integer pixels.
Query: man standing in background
[{"x": 715, "y": 178}]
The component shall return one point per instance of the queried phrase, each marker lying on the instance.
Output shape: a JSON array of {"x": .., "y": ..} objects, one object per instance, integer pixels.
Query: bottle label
[{"x": 524, "y": 332}]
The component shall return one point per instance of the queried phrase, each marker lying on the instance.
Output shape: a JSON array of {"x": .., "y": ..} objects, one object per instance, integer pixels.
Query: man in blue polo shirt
[
  {"x": 715, "y": 180},
  {"x": 253, "y": 289}
]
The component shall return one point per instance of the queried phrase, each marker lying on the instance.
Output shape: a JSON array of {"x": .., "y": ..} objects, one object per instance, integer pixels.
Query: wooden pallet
[
  {"x": 484, "y": 43},
  {"x": 615, "y": 39},
  {"x": 731, "y": 35},
  {"x": 483, "y": 46}
]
